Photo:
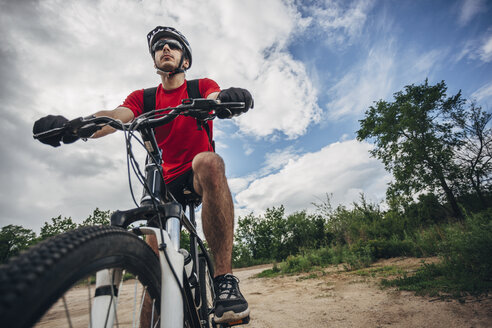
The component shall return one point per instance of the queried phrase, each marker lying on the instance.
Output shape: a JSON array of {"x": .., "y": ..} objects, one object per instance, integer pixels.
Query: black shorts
[{"x": 182, "y": 189}]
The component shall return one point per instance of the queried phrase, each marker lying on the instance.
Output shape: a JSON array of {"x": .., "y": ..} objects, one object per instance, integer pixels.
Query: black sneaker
[{"x": 230, "y": 305}]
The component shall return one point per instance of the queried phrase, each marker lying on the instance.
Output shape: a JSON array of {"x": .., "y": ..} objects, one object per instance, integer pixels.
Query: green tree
[
  {"x": 304, "y": 231},
  {"x": 274, "y": 236},
  {"x": 262, "y": 237},
  {"x": 415, "y": 138},
  {"x": 270, "y": 234},
  {"x": 14, "y": 239},
  {"x": 57, "y": 226},
  {"x": 474, "y": 155},
  {"x": 97, "y": 217}
]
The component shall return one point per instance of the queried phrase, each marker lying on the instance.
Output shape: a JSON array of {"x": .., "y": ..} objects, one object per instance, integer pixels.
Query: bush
[
  {"x": 427, "y": 241},
  {"x": 298, "y": 263},
  {"x": 358, "y": 257},
  {"x": 467, "y": 253},
  {"x": 466, "y": 250},
  {"x": 393, "y": 247}
]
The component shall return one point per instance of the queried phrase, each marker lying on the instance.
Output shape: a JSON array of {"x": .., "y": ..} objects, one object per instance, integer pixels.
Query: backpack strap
[
  {"x": 193, "y": 89},
  {"x": 149, "y": 99}
]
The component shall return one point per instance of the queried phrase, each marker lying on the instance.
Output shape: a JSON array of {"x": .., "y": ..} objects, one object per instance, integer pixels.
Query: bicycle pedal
[{"x": 242, "y": 321}]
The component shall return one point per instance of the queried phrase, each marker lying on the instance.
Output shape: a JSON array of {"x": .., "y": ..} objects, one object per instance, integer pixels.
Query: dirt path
[
  {"x": 343, "y": 299},
  {"x": 334, "y": 299}
]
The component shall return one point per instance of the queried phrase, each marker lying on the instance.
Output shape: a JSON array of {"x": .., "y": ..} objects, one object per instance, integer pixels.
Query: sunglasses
[{"x": 172, "y": 44}]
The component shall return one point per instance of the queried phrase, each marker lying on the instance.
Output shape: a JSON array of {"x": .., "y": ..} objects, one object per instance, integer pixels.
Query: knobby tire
[{"x": 31, "y": 283}]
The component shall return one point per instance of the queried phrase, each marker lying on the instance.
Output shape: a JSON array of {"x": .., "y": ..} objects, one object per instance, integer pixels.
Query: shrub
[
  {"x": 427, "y": 241},
  {"x": 392, "y": 247},
  {"x": 466, "y": 268},
  {"x": 467, "y": 253}
]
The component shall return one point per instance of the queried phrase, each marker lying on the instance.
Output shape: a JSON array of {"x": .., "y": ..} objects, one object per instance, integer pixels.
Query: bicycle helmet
[{"x": 166, "y": 31}]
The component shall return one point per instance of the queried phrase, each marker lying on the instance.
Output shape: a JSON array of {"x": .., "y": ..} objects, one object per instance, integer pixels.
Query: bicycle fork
[
  {"x": 172, "y": 268},
  {"x": 103, "y": 312}
]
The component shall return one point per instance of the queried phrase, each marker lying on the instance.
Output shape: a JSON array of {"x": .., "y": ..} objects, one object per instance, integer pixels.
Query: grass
[
  {"x": 385, "y": 271},
  {"x": 466, "y": 266},
  {"x": 465, "y": 250},
  {"x": 435, "y": 280},
  {"x": 269, "y": 273}
]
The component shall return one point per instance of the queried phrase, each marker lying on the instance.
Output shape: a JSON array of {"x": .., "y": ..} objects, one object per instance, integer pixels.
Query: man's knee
[
  {"x": 208, "y": 163},
  {"x": 209, "y": 172}
]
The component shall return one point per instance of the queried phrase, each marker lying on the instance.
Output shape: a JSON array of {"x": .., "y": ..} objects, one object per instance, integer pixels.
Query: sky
[{"x": 313, "y": 67}]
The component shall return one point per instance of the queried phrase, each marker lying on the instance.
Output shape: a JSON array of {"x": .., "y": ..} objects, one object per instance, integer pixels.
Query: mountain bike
[{"x": 111, "y": 263}]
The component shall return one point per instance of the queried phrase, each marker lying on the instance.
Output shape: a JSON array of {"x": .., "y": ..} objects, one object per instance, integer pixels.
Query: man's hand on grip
[
  {"x": 235, "y": 95},
  {"x": 52, "y": 122}
]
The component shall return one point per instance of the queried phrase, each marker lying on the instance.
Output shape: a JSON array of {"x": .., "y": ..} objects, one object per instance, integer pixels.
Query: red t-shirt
[{"x": 180, "y": 140}]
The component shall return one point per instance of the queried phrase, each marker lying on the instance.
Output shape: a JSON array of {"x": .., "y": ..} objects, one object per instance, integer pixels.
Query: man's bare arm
[{"x": 123, "y": 114}]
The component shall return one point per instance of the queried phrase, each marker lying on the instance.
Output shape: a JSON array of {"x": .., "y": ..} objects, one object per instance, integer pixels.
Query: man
[{"x": 188, "y": 156}]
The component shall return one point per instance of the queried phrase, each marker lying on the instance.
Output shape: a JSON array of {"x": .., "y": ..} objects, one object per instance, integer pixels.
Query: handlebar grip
[
  {"x": 77, "y": 127},
  {"x": 49, "y": 133}
]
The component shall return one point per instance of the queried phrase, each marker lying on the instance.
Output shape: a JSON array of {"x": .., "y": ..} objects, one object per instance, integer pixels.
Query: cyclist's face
[{"x": 167, "y": 54}]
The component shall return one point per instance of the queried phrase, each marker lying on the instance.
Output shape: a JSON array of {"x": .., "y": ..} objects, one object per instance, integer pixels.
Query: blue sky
[{"x": 313, "y": 67}]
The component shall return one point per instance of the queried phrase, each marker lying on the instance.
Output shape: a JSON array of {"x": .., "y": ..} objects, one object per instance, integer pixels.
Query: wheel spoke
[
  {"x": 67, "y": 312},
  {"x": 144, "y": 292},
  {"x": 152, "y": 317}
]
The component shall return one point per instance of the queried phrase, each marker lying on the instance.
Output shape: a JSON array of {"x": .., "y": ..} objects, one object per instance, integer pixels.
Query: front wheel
[{"x": 41, "y": 285}]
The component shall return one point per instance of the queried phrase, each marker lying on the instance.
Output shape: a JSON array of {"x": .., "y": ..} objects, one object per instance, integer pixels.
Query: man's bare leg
[
  {"x": 217, "y": 208},
  {"x": 218, "y": 226},
  {"x": 210, "y": 182}
]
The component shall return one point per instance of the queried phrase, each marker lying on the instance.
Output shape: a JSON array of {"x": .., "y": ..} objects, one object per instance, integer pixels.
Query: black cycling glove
[
  {"x": 235, "y": 95},
  {"x": 52, "y": 122}
]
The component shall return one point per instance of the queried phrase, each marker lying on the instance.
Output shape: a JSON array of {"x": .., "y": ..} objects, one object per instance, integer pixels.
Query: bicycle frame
[{"x": 173, "y": 293}]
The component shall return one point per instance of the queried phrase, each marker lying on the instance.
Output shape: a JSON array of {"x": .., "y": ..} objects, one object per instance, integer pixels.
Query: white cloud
[
  {"x": 486, "y": 50},
  {"x": 469, "y": 10},
  {"x": 477, "y": 49},
  {"x": 248, "y": 150},
  {"x": 364, "y": 83},
  {"x": 285, "y": 99},
  {"x": 484, "y": 93},
  {"x": 378, "y": 75},
  {"x": 98, "y": 55},
  {"x": 236, "y": 50},
  {"x": 424, "y": 63},
  {"x": 343, "y": 169},
  {"x": 76, "y": 58},
  {"x": 279, "y": 158},
  {"x": 339, "y": 22},
  {"x": 274, "y": 161}
]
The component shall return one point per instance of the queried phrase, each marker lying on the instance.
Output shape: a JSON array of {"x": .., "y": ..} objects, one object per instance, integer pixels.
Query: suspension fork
[
  {"x": 108, "y": 283},
  {"x": 172, "y": 266}
]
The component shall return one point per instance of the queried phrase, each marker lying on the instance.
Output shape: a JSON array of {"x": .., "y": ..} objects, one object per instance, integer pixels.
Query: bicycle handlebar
[{"x": 200, "y": 109}]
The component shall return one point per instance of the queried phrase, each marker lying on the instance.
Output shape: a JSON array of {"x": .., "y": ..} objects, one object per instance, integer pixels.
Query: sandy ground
[
  {"x": 335, "y": 298},
  {"x": 344, "y": 299}
]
